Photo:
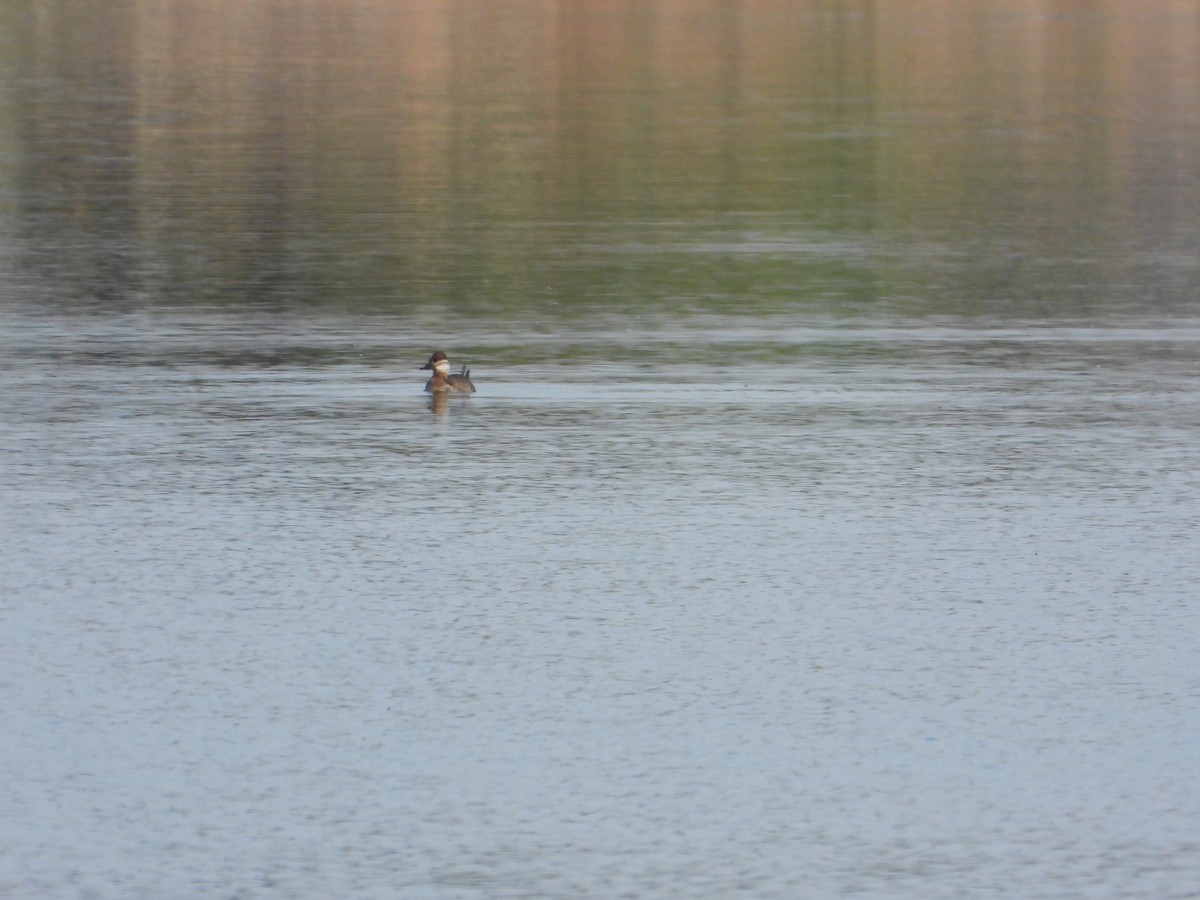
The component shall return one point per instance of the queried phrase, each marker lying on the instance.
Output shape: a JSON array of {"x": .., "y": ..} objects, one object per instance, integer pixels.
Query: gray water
[
  {"x": 912, "y": 614},
  {"x": 824, "y": 523}
]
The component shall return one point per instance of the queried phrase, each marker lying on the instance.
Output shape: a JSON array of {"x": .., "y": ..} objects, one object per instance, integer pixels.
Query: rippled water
[
  {"x": 799, "y": 610},
  {"x": 824, "y": 524}
]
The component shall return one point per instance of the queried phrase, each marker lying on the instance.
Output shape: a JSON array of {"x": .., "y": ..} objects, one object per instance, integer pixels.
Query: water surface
[{"x": 824, "y": 523}]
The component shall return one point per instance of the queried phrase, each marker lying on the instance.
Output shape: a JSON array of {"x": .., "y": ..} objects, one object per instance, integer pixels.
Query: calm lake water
[{"x": 825, "y": 522}]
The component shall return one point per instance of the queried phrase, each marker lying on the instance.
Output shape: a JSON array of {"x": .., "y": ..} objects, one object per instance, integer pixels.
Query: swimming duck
[{"x": 442, "y": 380}]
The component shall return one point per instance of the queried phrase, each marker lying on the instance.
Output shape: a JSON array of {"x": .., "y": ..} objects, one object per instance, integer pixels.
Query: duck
[{"x": 442, "y": 380}]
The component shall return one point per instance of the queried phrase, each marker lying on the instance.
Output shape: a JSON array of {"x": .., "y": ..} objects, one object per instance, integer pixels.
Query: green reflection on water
[{"x": 541, "y": 160}]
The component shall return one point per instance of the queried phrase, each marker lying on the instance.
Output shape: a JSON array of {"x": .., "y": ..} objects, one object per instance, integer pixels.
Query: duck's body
[{"x": 442, "y": 380}]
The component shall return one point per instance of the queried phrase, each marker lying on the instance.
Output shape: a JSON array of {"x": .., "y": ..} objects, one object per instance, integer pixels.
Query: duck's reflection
[{"x": 443, "y": 384}]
